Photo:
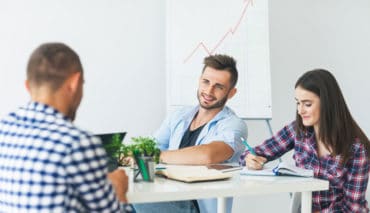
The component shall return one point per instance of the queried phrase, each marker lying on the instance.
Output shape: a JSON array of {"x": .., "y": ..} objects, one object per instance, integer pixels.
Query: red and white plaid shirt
[{"x": 347, "y": 183}]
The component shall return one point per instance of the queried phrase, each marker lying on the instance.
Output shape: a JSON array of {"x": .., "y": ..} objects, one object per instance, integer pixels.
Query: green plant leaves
[
  {"x": 113, "y": 148},
  {"x": 145, "y": 146}
]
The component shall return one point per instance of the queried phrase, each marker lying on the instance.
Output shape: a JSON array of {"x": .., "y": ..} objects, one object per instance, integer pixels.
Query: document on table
[
  {"x": 281, "y": 169},
  {"x": 190, "y": 173}
]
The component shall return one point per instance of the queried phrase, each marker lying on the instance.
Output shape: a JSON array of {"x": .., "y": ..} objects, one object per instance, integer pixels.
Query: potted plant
[
  {"x": 145, "y": 152},
  {"x": 142, "y": 150},
  {"x": 143, "y": 146}
]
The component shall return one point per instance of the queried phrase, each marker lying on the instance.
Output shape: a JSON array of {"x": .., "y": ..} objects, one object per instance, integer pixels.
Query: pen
[
  {"x": 160, "y": 168},
  {"x": 249, "y": 147}
]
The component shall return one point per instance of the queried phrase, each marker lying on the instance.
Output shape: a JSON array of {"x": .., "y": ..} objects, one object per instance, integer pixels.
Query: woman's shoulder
[
  {"x": 290, "y": 127},
  {"x": 291, "y": 124},
  {"x": 288, "y": 130},
  {"x": 358, "y": 146},
  {"x": 359, "y": 152}
]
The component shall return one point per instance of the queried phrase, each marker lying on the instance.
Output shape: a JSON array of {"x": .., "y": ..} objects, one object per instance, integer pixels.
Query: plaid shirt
[
  {"x": 49, "y": 165},
  {"x": 347, "y": 184}
]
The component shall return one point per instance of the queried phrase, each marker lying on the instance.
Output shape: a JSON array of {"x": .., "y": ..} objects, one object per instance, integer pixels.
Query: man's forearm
[
  {"x": 214, "y": 152},
  {"x": 183, "y": 156}
]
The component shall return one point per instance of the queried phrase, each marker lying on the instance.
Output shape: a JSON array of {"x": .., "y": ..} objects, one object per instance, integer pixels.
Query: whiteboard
[{"x": 239, "y": 28}]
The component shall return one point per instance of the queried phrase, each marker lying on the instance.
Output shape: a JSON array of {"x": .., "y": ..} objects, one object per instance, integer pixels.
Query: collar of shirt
[
  {"x": 188, "y": 117},
  {"x": 38, "y": 107}
]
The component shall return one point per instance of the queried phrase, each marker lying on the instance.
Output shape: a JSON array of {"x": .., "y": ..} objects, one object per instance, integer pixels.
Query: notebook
[
  {"x": 190, "y": 174},
  {"x": 106, "y": 139},
  {"x": 281, "y": 169}
]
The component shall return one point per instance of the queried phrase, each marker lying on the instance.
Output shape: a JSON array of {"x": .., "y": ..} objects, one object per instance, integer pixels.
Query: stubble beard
[{"x": 219, "y": 104}]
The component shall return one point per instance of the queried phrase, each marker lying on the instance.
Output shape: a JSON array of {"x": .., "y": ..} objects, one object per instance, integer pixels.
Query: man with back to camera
[
  {"x": 47, "y": 164},
  {"x": 207, "y": 133}
]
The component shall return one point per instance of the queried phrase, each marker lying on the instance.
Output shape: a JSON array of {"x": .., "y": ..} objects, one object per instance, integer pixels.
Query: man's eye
[{"x": 205, "y": 82}]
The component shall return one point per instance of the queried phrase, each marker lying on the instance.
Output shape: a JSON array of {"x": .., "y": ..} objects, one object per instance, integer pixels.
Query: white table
[{"x": 168, "y": 190}]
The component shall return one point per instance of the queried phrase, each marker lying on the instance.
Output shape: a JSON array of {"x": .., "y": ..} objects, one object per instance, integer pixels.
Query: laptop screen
[{"x": 108, "y": 141}]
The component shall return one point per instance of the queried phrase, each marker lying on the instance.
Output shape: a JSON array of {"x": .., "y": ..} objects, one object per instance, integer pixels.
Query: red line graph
[{"x": 229, "y": 32}]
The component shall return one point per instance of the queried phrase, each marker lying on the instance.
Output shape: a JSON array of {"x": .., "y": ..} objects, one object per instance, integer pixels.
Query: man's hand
[
  {"x": 126, "y": 161},
  {"x": 254, "y": 162},
  {"x": 119, "y": 181}
]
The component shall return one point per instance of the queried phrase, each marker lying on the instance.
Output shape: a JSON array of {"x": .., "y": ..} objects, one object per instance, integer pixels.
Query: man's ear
[
  {"x": 73, "y": 81},
  {"x": 231, "y": 93},
  {"x": 27, "y": 85}
]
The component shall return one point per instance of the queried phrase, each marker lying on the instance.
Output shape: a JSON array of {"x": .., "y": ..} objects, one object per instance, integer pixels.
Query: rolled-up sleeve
[{"x": 230, "y": 131}]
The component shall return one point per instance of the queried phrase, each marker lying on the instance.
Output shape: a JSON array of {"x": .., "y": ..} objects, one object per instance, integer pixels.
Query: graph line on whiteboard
[{"x": 229, "y": 32}]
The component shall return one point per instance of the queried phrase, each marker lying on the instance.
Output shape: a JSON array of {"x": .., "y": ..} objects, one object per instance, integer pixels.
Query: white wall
[
  {"x": 121, "y": 44},
  {"x": 309, "y": 34},
  {"x": 332, "y": 34}
]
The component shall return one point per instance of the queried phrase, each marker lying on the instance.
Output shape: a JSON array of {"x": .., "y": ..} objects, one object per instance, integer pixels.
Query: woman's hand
[{"x": 254, "y": 162}]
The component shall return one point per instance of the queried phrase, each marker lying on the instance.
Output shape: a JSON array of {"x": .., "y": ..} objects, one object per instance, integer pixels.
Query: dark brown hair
[
  {"x": 52, "y": 64},
  {"x": 225, "y": 63},
  {"x": 337, "y": 129}
]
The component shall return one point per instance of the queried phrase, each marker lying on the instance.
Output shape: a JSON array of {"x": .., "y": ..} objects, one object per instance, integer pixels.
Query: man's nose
[{"x": 209, "y": 90}]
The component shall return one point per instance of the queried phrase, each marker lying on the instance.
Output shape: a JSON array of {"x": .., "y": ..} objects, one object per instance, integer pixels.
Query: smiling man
[{"x": 204, "y": 134}]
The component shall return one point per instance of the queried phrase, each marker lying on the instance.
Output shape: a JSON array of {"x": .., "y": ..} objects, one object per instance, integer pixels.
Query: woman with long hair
[{"x": 325, "y": 139}]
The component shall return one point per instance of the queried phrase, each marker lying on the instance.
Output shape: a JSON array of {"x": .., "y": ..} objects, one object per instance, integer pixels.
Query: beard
[{"x": 219, "y": 104}]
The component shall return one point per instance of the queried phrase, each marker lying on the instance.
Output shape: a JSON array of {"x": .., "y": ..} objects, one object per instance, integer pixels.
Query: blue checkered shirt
[{"x": 49, "y": 165}]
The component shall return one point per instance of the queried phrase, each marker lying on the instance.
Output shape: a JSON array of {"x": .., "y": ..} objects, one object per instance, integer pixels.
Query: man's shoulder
[
  {"x": 79, "y": 132},
  {"x": 184, "y": 111},
  {"x": 51, "y": 125},
  {"x": 44, "y": 132},
  {"x": 228, "y": 113},
  {"x": 73, "y": 133},
  {"x": 228, "y": 119}
]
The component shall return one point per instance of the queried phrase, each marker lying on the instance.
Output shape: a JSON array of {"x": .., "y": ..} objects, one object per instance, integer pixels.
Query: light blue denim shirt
[{"x": 225, "y": 126}]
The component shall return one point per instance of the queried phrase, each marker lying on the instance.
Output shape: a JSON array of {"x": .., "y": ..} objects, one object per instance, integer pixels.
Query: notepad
[
  {"x": 191, "y": 173},
  {"x": 281, "y": 169}
]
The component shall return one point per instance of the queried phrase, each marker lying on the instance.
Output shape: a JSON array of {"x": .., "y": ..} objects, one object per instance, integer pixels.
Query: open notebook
[
  {"x": 190, "y": 173},
  {"x": 281, "y": 169}
]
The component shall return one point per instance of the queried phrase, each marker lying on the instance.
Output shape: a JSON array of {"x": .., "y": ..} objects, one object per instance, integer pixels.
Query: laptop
[{"x": 107, "y": 141}]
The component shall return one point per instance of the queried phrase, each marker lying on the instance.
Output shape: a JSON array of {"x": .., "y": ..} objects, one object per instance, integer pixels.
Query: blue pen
[
  {"x": 249, "y": 147},
  {"x": 160, "y": 168}
]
